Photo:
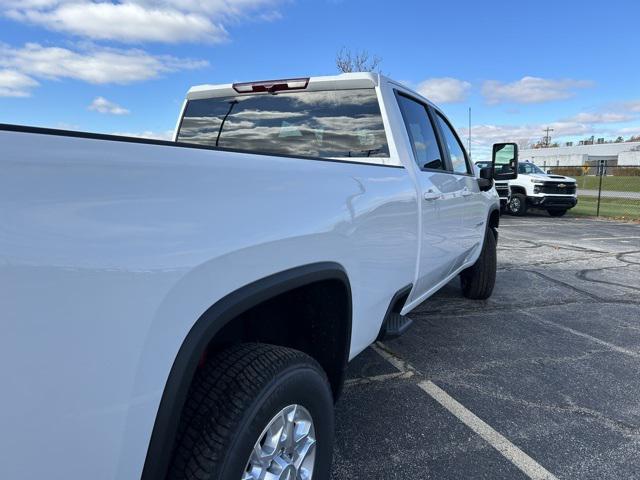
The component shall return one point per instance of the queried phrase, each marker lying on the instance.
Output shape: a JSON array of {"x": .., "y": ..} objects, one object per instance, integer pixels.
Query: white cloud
[
  {"x": 531, "y": 90},
  {"x": 484, "y": 136},
  {"x": 102, "y": 105},
  {"x": 125, "y": 22},
  {"x": 630, "y": 130},
  {"x": 444, "y": 90},
  {"x": 633, "y": 106},
  {"x": 168, "y": 21},
  {"x": 94, "y": 65},
  {"x": 487, "y": 135},
  {"x": 607, "y": 117},
  {"x": 15, "y": 84}
]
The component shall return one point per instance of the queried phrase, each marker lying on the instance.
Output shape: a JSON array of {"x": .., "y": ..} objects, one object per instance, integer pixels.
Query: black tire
[
  {"x": 518, "y": 204},
  {"x": 557, "y": 212},
  {"x": 233, "y": 398},
  {"x": 478, "y": 280}
]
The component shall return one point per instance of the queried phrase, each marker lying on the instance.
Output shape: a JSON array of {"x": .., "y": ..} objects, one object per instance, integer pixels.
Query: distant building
[{"x": 626, "y": 154}]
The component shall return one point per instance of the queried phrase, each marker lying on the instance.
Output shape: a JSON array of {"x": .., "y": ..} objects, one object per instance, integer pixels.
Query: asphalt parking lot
[{"x": 540, "y": 381}]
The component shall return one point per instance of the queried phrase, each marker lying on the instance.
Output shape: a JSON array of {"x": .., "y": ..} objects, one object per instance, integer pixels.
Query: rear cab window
[
  {"x": 424, "y": 142},
  {"x": 325, "y": 124}
]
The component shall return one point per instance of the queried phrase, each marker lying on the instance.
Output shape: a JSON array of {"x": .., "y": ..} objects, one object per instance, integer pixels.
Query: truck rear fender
[{"x": 319, "y": 290}]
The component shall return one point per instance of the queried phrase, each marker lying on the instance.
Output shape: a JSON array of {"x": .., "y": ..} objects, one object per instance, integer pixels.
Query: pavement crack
[
  {"x": 620, "y": 257},
  {"x": 378, "y": 378},
  {"x": 427, "y": 313},
  {"x": 543, "y": 263},
  {"x": 417, "y": 376},
  {"x": 567, "y": 285},
  {"x": 530, "y": 245},
  {"x": 613, "y": 424},
  {"x": 563, "y": 246},
  {"x": 394, "y": 359},
  {"x": 477, "y": 369},
  {"x": 584, "y": 275}
]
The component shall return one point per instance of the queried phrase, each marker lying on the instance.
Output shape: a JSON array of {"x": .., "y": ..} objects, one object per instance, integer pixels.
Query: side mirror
[
  {"x": 485, "y": 182},
  {"x": 433, "y": 164},
  {"x": 505, "y": 161}
]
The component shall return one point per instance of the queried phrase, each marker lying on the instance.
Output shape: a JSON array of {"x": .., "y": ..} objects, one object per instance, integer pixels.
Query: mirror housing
[
  {"x": 433, "y": 164},
  {"x": 504, "y": 161},
  {"x": 485, "y": 180}
]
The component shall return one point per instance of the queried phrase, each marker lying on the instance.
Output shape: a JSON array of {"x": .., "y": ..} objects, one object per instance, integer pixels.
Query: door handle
[
  {"x": 466, "y": 192},
  {"x": 431, "y": 195}
]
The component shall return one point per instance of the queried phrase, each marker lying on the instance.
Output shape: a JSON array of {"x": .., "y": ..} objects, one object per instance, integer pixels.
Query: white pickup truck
[
  {"x": 533, "y": 188},
  {"x": 186, "y": 309}
]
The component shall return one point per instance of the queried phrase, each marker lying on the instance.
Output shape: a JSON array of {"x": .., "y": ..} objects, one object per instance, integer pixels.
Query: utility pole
[
  {"x": 547, "y": 137},
  {"x": 469, "y": 148}
]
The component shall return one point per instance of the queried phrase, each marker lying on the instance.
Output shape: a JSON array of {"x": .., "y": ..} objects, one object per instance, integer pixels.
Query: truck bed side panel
[{"x": 110, "y": 251}]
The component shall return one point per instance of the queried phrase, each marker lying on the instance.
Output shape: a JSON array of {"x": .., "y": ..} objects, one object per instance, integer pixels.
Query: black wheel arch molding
[
  {"x": 493, "y": 219},
  {"x": 203, "y": 332},
  {"x": 396, "y": 304},
  {"x": 517, "y": 189}
]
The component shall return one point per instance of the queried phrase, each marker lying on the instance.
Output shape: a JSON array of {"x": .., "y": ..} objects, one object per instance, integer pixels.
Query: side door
[
  {"x": 474, "y": 214},
  {"x": 441, "y": 204}
]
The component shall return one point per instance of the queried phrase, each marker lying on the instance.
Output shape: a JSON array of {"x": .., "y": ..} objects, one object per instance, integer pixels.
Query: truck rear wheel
[
  {"x": 557, "y": 212},
  {"x": 518, "y": 204},
  {"x": 256, "y": 411},
  {"x": 478, "y": 280}
]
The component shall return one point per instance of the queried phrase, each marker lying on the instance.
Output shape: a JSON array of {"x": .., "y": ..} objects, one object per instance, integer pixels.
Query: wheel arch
[
  {"x": 493, "y": 220},
  {"x": 204, "y": 331},
  {"x": 517, "y": 189}
]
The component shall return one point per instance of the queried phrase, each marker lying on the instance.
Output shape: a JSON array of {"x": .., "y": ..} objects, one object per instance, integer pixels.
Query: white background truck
[
  {"x": 186, "y": 309},
  {"x": 533, "y": 188}
]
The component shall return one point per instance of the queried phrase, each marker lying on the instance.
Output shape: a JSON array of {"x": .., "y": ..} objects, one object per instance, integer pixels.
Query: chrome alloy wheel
[
  {"x": 286, "y": 448},
  {"x": 514, "y": 204}
]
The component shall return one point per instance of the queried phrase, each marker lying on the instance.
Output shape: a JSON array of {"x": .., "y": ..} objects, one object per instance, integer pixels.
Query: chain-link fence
[{"x": 604, "y": 190}]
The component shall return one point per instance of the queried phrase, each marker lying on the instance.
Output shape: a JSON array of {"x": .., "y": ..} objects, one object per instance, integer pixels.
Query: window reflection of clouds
[
  {"x": 335, "y": 97},
  {"x": 340, "y": 123},
  {"x": 267, "y": 115},
  {"x": 456, "y": 151}
]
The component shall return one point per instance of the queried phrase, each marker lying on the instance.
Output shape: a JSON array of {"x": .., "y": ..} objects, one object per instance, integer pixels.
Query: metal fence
[{"x": 604, "y": 190}]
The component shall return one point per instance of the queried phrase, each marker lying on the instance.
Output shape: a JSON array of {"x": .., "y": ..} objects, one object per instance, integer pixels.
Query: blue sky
[{"x": 124, "y": 67}]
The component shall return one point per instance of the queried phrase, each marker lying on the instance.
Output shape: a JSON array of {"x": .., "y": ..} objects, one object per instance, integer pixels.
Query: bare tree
[
  {"x": 348, "y": 61},
  {"x": 523, "y": 143}
]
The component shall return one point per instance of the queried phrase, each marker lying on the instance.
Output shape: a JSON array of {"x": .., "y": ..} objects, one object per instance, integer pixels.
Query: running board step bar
[{"x": 394, "y": 326}]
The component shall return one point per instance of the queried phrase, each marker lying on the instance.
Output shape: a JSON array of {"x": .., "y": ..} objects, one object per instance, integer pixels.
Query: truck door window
[
  {"x": 421, "y": 135},
  {"x": 456, "y": 150}
]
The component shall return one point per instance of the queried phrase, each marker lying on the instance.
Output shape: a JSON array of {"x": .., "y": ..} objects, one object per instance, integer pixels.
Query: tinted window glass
[
  {"x": 338, "y": 123},
  {"x": 423, "y": 139},
  {"x": 529, "y": 168},
  {"x": 456, "y": 150}
]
